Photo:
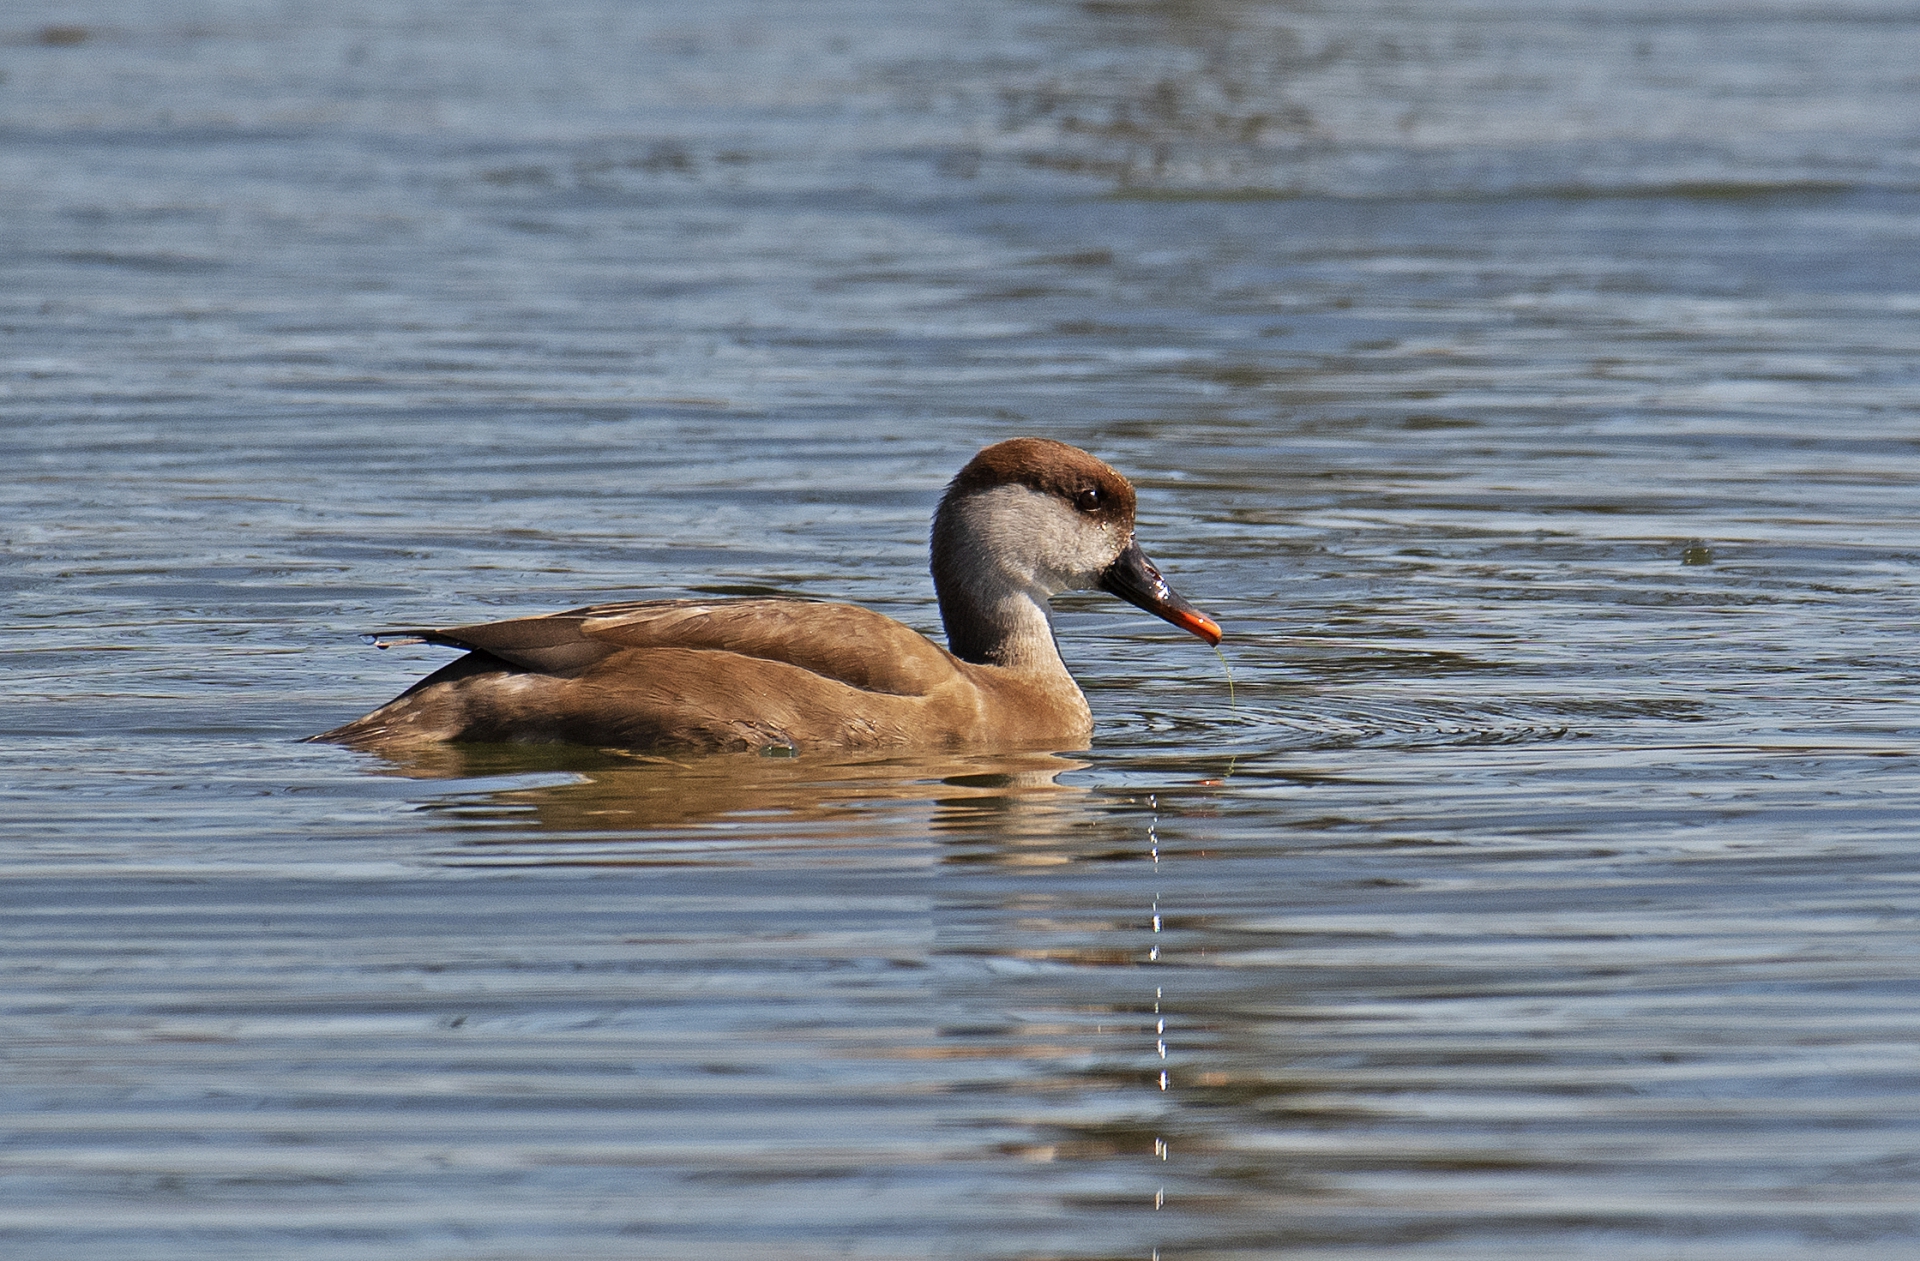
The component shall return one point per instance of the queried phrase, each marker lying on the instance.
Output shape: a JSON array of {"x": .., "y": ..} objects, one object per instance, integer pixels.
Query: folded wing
[{"x": 843, "y": 642}]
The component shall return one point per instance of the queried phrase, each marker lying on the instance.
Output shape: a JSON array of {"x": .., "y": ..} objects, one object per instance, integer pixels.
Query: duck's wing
[{"x": 842, "y": 642}]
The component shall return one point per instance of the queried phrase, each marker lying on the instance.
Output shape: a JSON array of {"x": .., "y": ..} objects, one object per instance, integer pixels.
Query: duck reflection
[{"x": 574, "y": 791}]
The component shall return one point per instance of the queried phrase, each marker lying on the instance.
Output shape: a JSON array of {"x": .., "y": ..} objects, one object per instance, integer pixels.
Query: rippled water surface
[{"x": 1528, "y": 388}]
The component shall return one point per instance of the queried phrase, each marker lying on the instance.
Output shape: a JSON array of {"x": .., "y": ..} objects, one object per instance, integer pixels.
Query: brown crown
[{"x": 1052, "y": 468}]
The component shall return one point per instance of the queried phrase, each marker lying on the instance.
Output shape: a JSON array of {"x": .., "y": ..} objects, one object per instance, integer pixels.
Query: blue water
[{"x": 1528, "y": 389}]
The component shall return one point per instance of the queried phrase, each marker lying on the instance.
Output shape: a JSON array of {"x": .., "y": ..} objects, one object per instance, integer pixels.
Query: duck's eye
[{"x": 1088, "y": 499}]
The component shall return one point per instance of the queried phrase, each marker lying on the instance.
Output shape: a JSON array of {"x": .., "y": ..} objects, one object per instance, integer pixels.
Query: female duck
[{"x": 1024, "y": 520}]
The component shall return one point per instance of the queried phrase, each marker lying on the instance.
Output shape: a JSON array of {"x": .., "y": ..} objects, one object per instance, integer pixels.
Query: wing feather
[{"x": 843, "y": 642}]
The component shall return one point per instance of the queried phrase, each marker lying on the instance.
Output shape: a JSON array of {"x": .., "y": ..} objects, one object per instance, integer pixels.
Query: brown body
[
  {"x": 721, "y": 676},
  {"x": 1023, "y": 520}
]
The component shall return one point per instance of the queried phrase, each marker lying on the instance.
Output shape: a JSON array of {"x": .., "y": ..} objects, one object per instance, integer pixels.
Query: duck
[{"x": 1024, "y": 520}]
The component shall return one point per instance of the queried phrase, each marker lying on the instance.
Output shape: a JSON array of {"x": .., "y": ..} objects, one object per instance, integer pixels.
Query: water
[{"x": 1528, "y": 389}]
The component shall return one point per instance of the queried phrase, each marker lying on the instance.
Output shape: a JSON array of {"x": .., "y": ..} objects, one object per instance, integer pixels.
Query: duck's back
[{"x": 693, "y": 674}]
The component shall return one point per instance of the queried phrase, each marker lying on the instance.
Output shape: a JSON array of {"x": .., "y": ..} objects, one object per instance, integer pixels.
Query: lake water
[{"x": 1528, "y": 388}]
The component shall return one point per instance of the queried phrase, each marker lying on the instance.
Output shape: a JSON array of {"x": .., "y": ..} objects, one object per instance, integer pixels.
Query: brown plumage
[{"x": 1022, "y": 521}]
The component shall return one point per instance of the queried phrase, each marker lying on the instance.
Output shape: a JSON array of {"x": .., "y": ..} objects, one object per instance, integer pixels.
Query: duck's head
[{"x": 1029, "y": 518}]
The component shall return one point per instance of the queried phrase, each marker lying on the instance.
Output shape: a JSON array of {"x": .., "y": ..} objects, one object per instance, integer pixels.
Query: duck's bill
[{"x": 1133, "y": 578}]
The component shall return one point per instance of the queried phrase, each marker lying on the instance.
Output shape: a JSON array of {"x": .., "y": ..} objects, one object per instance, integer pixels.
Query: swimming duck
[{"x": 1024, "y": 520}]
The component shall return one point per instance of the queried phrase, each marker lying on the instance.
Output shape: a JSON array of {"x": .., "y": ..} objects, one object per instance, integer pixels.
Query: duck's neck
[
  {"x": 1010, "y": 629},
  {"x": 995, "y": 613}
]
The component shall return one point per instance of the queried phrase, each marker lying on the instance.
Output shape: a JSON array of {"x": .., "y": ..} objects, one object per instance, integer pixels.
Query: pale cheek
[
  {"x": 1109, "y": 543},
  {"x": 1091, "y": 551},
  {"x": 1039, "y": 541}
]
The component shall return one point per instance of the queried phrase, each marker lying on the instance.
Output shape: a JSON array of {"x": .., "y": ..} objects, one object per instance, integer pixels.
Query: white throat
[{"x": 999, "y": 556}]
